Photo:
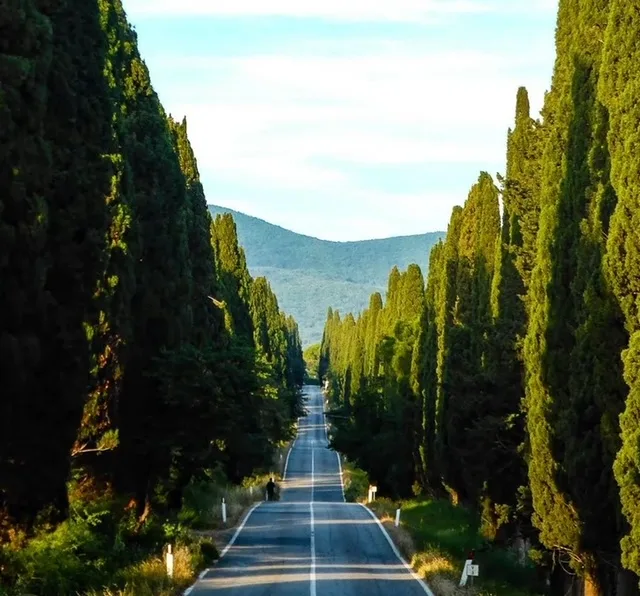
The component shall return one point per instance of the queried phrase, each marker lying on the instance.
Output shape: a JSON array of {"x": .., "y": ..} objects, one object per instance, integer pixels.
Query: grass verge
[{"x": 436, "y": 536}]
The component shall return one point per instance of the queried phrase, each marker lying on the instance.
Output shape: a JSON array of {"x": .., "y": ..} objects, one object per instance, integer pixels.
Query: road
[{"x": 311, "y": 541}]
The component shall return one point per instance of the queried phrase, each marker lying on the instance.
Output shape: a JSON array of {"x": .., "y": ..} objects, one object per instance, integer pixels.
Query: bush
[
  {"x": 60, "y": 562},
  {"x": 356, "y": 483},
  {"x": 102, "y": 549}
]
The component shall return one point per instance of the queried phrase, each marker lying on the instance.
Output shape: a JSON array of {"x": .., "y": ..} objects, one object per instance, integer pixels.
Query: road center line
[
  {"x": 312, "y": 473},
  {"x": 312, "y": 573}
]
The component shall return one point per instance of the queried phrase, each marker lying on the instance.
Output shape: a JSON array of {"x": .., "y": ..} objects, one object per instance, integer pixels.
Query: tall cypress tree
[
  {"x": 464, "y": 458},
  {"x": 575, "y": 332},
  {"x": 67, "y": 201},
  {"x": 162, "y": 264},
  {"x": 233, "y": 276},
  {"x": 26, "y": 44},
  {"x": 445, "y": 301},
  {"x": 428, "y": 379},
  {"x": 618, "y": 89},
  {"x": 515, "y": 255},
  {"x": 207, "y": 326}
]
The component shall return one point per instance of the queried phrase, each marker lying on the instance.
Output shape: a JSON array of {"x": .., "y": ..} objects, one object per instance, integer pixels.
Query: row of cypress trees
[
  {"x": 511, "y": 382},
  {"x": 114, "y": 361}
]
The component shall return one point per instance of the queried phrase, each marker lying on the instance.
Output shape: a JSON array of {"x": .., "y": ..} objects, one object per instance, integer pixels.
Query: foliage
[
  {"x": 513, "y": 388},
  {"x": 139, "y": 351},
  {"x": 356, "y": 482},
  {"x": 100, "y": 548},
  {"x": 311, "y": 357}
]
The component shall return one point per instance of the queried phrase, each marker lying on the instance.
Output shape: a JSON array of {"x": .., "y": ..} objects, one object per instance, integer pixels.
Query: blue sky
[{"x": 346, "y": 119}]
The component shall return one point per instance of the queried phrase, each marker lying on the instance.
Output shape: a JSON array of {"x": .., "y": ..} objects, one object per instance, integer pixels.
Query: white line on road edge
[
  {"x": 233, "y": 538},
  {"x": 200, "y": 576},
  {"x": 397, "y": 552},
  {"x": 286, "y": 462},
  {"x": 341, "y": 478},
  {"x": 226, "y": 548},
  {"x": 312, "y": 573}
]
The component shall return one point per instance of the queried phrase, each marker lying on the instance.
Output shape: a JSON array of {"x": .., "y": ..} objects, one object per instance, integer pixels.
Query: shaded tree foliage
[{"x": 137, "y": 350}]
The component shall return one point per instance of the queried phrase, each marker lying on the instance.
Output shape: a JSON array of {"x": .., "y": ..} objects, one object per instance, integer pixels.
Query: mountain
[{"x": 310, "y": 275}]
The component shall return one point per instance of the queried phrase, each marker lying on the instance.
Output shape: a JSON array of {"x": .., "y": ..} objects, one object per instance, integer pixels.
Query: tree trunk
[{"x": 592, "y": 585}]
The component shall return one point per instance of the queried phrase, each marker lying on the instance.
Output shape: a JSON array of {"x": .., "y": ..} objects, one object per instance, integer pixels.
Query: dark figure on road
[{"x": 271, "y": 489}]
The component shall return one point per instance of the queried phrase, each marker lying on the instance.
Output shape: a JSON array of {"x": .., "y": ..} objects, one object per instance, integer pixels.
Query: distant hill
[{"x": 308, "y": 274}]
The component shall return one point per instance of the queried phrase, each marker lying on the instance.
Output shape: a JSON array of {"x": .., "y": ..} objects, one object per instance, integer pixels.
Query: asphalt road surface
[{"x": 311, "y": 541}]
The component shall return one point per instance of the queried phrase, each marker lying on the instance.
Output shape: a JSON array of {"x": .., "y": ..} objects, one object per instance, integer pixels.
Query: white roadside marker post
[
  {"x": 169, "y": 560},
  {"x": 469, "y": 571},
  {"x": 224, "y": 511},
  {"x": 397, "y": 517}
]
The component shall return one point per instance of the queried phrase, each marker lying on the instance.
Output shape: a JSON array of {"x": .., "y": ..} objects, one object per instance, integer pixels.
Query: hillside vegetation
[
  {"x": 510, "y": 384},
  {"x": 310, "y": 275}
]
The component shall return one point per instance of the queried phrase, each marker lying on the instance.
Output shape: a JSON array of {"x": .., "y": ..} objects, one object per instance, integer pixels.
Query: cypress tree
[
  {"x": 207, "y": 326},
  {"x": 159, "y": 311},
  {"x": 233, "y": 276},
  {"x": 575, "y": 332},
  {"x": 26, "y": 45},
  {"x": 445, "y": 301},
  {"x": 58, "y": 61},
  {"x": 618, "y": 88},
  {"x": 466, "y": 435},
  {"x": 371, "y": 336},
  {"x": 428, "y": 377},
  {"x": 514, "y": 259}
]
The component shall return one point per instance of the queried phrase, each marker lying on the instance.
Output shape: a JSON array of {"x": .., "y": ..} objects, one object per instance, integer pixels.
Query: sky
[{"x": 346, "y": 119}]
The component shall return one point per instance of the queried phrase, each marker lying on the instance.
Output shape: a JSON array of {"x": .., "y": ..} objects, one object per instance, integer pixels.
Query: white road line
[
  {"x": 226, "y": 548},
  {"x": 312, "y": 573},
  {"x": 341, "y": 477},
  {"x": 312, "y": 473},
  {"x": 286, "y": 462},
  {"x": 233, "y": 538},
  {"x": 397, "y": 553}
]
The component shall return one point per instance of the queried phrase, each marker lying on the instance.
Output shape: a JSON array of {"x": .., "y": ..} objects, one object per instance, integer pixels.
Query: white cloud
[
  {"x": 305, "y": 123},
  {"x": 280, "y": 116}
]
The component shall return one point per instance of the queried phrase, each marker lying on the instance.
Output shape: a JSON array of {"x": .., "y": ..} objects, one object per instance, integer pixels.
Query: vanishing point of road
[{"x": 310, "y": 541}]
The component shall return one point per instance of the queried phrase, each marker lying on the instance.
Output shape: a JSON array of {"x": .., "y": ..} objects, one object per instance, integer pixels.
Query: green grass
[{"x": 443, "y": 535}]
